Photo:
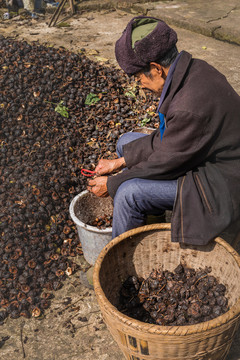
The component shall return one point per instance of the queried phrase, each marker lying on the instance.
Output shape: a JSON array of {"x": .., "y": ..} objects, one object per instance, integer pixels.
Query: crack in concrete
[
  {"x": 222, "y": 17},
  {"x": 214, "y": 30}
]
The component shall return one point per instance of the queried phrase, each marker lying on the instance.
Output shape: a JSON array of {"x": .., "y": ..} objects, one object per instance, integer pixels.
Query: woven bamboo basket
[{"x": 137, "y": 252}]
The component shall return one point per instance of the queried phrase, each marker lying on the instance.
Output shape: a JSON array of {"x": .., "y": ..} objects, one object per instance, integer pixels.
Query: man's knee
[
  {"x": 126, "y": 194},
  {"x": 127, "y": 138},
  {"x": 121, "y": 142}
]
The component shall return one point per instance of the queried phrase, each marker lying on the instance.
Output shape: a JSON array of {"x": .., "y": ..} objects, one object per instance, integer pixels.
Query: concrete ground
[{"x": 73, "y": 327}]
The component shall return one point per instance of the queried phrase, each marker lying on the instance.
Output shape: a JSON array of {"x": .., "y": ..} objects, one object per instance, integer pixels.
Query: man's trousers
[{"x": 137, "y": 198}]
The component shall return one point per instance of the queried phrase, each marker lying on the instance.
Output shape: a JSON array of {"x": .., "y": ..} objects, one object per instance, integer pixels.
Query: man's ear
[{"x": 156, "y": 67}]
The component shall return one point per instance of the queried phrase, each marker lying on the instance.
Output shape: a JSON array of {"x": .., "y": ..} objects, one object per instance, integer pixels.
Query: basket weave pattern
[{"x": 137, "y": 252}]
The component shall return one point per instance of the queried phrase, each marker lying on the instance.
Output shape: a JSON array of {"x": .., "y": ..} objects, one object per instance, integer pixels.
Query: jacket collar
[{"x": 178, "y": 75}]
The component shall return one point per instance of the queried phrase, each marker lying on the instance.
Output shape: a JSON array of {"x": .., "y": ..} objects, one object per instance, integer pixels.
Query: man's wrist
[{"x": 121, "y": 163}]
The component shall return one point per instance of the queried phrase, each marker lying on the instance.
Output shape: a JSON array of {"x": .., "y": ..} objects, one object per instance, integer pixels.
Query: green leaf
[
  {"x": 130, "y": 94},
  {"x": 145, "y": 121},
  {"x": 91, "y": 99},
  {"x": 61, "y": 109}
]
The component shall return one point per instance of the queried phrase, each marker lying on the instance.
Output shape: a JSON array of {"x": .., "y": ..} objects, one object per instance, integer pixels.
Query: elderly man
[{"x": 191, "y": 164}]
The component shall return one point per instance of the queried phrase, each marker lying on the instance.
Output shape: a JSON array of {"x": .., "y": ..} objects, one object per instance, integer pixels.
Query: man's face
[{"x": 154, "y": 80}]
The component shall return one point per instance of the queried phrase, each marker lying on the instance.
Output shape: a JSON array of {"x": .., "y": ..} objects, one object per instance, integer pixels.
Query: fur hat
[{"x": 132, "y": 58}]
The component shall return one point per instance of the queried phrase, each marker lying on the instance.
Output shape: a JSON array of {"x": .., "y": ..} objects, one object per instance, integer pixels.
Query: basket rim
[{"x": 230, "y": 315}]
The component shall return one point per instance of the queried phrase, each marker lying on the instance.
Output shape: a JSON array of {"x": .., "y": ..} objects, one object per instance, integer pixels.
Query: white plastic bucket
[{"x": 92, "y": 239}]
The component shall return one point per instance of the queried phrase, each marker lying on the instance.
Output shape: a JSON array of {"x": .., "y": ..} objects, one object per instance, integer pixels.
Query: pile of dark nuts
[
  {"x": 183, "y": 297},
  {"x": 42, "y": 152}
]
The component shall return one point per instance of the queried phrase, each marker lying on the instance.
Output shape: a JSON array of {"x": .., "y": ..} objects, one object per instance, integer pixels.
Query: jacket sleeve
[
  {"x": 140, "y": 149},
  {"x": 184, "y": 146}
]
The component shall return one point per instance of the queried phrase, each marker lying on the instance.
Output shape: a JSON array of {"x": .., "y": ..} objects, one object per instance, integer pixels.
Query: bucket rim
[{"x": 80, "y": 223}]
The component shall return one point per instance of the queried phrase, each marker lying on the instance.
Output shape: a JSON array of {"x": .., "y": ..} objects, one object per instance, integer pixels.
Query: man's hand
[
  {"x": 98, "y": 186},
  {"x": 109, "y": 166}
]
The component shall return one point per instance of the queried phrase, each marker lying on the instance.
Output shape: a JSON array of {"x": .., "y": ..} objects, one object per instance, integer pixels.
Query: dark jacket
[{"x": 200, "y": 148}]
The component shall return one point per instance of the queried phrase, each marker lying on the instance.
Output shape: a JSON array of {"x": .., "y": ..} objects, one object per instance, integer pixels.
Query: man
[{"x": 191, "y": 164}]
